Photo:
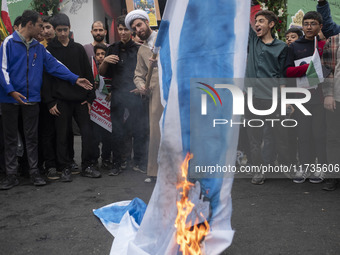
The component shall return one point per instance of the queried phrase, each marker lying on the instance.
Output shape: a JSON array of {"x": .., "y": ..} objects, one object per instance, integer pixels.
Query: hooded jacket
[
  {"x": 22, "y": 69},
  {"x": 74, "y": 57}
]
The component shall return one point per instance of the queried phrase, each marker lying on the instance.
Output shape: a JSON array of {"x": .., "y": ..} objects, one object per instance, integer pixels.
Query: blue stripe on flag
[
  {"x": 208, "y": 56},
  {"x": 165, "y": 57},
  {"x": 115, "y": 213},
  {"x": 203, "y": 57}
]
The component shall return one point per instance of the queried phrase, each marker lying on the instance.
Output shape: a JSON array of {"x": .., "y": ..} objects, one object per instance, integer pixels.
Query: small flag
[
  {"x": 5, "y": 23},
  {"x": 94, "y": 68},
  {"x": 314, "y": 72}
]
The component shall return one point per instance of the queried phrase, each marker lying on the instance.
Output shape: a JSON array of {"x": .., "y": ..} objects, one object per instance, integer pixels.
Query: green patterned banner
[
  {"x": 295, "y": 15},
  {"x": 16, "y": 7}
]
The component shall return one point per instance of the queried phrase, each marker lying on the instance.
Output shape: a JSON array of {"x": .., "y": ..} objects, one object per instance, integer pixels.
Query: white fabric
[
  {"x": 151, "y": 40},
  {"x": 157, "y": 233}
]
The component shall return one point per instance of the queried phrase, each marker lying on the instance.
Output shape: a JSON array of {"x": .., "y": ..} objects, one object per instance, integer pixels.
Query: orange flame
[{"x": 189, "y": 239}]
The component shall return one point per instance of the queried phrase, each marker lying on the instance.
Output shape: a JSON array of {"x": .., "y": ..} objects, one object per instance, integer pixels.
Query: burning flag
[
  {"x": 190, "y": 233},
  {"x": 196, "y": 39}
]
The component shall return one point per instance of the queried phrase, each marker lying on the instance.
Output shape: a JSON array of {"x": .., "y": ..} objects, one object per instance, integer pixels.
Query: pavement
[{"x": 279, "y": 217}]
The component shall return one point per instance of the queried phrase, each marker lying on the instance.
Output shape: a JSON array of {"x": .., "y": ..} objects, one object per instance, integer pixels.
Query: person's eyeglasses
[{"x": 313, "y": 24}]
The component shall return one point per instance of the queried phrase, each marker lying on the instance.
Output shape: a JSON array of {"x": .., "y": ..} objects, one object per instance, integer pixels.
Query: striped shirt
[{"x": 329, "y": 60}]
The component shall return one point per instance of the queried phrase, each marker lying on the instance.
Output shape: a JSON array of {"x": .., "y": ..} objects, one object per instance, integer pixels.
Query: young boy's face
[
  {"x": 291, "y": 37},
  {"x": 263, "y": 26},
  {"x": 48, "y": 31},
  {"x": 100, "y": 55},
  {"x": 62, "y": 33},
  {"x": 311, "y": 28},
  {"x": 124, "y": 33}
]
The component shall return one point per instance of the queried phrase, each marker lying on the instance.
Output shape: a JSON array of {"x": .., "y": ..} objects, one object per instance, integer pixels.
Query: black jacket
[
  {"x": 299, "y": 49},
  {"x": 123, "y": 72},
  {"x": 74, "y": 57}
]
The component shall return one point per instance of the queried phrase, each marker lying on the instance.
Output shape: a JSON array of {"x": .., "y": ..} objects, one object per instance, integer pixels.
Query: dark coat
[{"x": 74, "y": 57}]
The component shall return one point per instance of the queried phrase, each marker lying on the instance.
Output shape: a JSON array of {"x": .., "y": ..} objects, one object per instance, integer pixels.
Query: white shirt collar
[{"x": 151, "y": 40}]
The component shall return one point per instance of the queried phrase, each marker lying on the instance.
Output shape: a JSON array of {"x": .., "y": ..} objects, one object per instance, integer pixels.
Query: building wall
[
  {"x": 98, "y": 12},
  {"x": 86, "y": 14},
  {"x": 81, "y": 18}
]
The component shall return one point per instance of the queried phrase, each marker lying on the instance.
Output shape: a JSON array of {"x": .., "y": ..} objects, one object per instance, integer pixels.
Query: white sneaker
[
  {"x": 150, "y": 179},
  {"x": 300, "y": 176},
  {"x": 316, "y": 177},
  {"x": 258, "y": 179}
]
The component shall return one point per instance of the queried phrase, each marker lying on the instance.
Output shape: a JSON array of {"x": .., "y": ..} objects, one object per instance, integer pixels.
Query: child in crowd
[
  {"x": 66, "y": 101},
  {"x": 292, "y": 35},
  {"x": 265, "y": 65},
  {"x": 103, "y": 86},
  {"x": 311, "y": 129}
]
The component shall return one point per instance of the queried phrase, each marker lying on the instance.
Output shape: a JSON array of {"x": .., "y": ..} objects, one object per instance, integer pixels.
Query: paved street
[{"x": 278, "y": 217}]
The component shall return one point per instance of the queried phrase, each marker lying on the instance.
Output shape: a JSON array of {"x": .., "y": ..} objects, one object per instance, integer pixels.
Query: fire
[{"x": 188, "y": 238}]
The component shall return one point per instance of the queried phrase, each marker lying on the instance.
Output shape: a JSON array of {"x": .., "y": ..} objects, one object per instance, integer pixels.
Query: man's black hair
[
  {"x": 47, "y": 19},
  {"x": 99, "y": 46},
  {"x": 17, "y": 21},
  {"x": 295, "y": 30},
  {"x": 29, "y": 15},
  {"x": 121, "y": 20},
  {"x": 313, "y": 15},
  {"x": 269, "y": 15},
  {"x": 60, "y": 19}
]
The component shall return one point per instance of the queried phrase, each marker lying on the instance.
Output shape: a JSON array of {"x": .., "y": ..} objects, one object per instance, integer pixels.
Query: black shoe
[
  {"x": 75, "y": 168},
  {"x": 66, "y": 175},
  {"x": 74, "y": 165},
  {"x": 37, "y": 180},
  {"x": 115, "y": 170},
  {"x": 9, "y": 182},
  {"x": 52, "y": 174},
  {"x": 330, "y": 184},
  {"x": 106, "y": 164},
  {"x": 91, "y": 172}
]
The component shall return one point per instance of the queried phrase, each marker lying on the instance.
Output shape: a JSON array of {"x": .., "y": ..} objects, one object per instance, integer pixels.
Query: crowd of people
[
  {"x": 43, "y": 90},
  {"x": 312, "y": 146}
]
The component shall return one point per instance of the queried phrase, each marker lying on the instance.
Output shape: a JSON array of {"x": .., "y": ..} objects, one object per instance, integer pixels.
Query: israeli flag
[{"x": 197, "y": 40}]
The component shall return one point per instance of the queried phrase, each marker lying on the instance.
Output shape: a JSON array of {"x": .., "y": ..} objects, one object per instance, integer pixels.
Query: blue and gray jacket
[{"x": 22, "y": 69}]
